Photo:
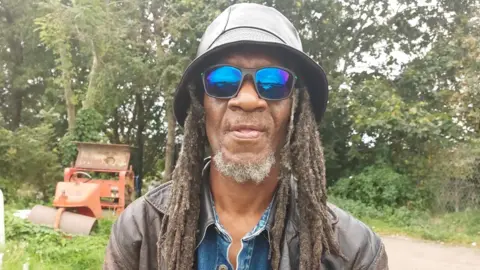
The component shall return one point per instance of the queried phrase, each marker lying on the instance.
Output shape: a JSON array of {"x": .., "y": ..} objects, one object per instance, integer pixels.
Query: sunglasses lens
[
  {"x": 222, "y": 82},
  {"x": 274, "y": 83}
]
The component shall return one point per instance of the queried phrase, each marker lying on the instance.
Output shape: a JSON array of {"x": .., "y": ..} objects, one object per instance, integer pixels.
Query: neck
[{"x": 242, "y": 198}]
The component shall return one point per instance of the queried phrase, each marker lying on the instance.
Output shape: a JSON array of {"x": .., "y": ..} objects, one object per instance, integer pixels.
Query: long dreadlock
[
  {"x": 177, "y": 240},
  {"x": 178, "y": 229}
]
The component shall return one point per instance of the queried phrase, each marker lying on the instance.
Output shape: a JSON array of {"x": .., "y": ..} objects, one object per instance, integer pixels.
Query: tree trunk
[
  {"x": 17, "y": 108},
  {"x": 16, "y": 52},
  {"x": 67, "y": 87},
  {"x": 116, "y": 135},
  {"x": 139, "y": 140},
  {"x": 91, "y": 95},
  {"x": 170, "y": 147},
  {"x": 457, "y": 196}
]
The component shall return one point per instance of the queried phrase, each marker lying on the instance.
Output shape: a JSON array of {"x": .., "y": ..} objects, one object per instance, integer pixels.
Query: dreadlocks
[
  {"x": 178, "y": 229},
  {"x": 177, "y": 240},
  {"x": 316, "y": 233}
]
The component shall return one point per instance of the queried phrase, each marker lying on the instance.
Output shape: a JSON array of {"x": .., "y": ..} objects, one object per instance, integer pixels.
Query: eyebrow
[
  {"x": 271, "y": 52},
  {"x": 248, "y": 58}
]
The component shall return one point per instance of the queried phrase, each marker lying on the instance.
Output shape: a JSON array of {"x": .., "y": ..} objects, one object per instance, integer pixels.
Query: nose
[{"x": 247, "y": 98}]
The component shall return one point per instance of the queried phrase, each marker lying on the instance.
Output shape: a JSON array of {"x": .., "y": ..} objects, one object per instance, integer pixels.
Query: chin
[
  {"x": 244, "y": 167},
  {"x": 245, "y": 157}
]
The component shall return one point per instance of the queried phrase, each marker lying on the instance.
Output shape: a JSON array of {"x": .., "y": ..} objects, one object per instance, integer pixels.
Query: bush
[
  {"x": 454, "y": 177},
  {"x": 88, "y": 128},
  {"x": 27, "y": 161},
  {"x": 463, "y": 227},
  {"x": 45, "y": 248},
  {"x": 9, "y": 190},
  {"x": 358, "y": 209},
  {"x": 377, "y": 186}
]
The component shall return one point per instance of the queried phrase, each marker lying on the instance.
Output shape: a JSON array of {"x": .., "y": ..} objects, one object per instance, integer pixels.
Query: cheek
[
  {"x": 214, "y": 112},
  {"x": 281, "y": 115}
]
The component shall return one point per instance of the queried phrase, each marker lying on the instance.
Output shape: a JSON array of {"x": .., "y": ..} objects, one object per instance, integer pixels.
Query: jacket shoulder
[
  {"x": 144, "y": 210},
  {"x": 159, "y": 197},
  {"x": 140, "y": 210},
  {"x": 132, "y": 243},
  {"x": 362, "y": 248}
]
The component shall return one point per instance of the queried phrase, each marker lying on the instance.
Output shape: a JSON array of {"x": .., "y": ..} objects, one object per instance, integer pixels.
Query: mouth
[{"x": 247, "y": 132}]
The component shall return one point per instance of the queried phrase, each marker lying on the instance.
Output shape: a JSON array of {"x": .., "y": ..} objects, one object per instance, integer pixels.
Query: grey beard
[{"x": 244, "y": 172}]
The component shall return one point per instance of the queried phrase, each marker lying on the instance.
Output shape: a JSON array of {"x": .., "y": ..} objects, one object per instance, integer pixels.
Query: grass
[
  {"x": 461, "y": 228},
  {"x": 445, "y": 232},
  {"x": 45, "y": 249}
]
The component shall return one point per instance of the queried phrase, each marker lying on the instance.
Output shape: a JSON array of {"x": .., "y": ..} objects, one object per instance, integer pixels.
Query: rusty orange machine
[{"x": 100, "y": 182}]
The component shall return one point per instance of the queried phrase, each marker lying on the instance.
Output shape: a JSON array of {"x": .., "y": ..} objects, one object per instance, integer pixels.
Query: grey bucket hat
[{"x": 253, "y": 24}]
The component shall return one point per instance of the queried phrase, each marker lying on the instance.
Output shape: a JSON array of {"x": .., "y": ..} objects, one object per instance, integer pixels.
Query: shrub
[
  {"x": 454, "y": 177},
  {"x": 358, "y": 209},
  {"x": 45, "y": 248},
  {"x": 377, "y": 186},
  {"x": 88, "y": 128},
  {"x": 27, "y": 161},
  {"x": 9, "y": 190}
]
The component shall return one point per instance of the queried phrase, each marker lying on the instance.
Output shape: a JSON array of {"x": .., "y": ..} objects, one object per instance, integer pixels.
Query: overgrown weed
[
  {"x": 455, "y": 228},
  {"x": 44, "y": 248}
]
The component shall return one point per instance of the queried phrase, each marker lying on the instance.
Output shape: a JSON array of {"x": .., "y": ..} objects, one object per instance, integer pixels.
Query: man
[{"x": 253, "y": 97}]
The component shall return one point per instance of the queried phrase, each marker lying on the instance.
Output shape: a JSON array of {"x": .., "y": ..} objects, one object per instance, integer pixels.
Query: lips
[{"x": 247, "y": 132}]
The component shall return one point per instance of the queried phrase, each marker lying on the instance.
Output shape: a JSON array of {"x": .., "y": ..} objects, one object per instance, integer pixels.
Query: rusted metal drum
[{"x": 62, "y": 220}]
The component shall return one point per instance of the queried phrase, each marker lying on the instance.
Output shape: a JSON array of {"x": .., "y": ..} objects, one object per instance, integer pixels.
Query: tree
[
  {"x": 99, "y": 70},
  {"x": 25, "y": 64},
  {"x": 27, "y": 161}
]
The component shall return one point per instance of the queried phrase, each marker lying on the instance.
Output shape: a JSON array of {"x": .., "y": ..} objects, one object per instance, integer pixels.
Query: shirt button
[{"x": 222, "y": 267}]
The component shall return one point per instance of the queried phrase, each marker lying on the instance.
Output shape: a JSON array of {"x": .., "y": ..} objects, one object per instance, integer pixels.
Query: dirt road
[{"x": 408, "y": 254}]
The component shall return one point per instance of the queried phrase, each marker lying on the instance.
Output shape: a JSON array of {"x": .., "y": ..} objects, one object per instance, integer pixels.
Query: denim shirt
[{"x": 254, "y": 253}]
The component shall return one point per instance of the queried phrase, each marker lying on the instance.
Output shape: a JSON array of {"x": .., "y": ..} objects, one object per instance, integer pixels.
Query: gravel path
[{"x": 404, "y": 253}]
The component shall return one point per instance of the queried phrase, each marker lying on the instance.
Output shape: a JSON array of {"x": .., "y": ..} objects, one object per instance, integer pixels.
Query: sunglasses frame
[{"x": 253, "y": 73}]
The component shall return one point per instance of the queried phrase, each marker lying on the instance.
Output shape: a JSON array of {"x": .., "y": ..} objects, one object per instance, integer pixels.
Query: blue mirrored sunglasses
[{"x": 271, "y": 83}]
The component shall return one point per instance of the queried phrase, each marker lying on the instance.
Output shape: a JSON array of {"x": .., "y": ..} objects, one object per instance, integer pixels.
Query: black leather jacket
[{"x": 133, "y": 240}]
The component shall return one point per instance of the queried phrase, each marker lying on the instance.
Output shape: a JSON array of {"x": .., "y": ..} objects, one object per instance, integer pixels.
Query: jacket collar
[
  {"x": 207, "y": 215},
  {"x": 159, "y": 198}
]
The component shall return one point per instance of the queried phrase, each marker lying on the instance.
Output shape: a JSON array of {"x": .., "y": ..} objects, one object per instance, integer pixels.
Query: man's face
[{"x": 246, "y": 132}]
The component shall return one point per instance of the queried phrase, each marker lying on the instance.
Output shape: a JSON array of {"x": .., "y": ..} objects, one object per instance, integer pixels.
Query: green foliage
[
  {"x": 94, "y": 70},
  {"x": 400, "y": 216},
  {"x": 454, "y": 177},
  {"x": 376, "y": 186},
  {"x": 462, "y": 228},
  {"x": 28, "y": 162},
  {"x": 390, "y": 129},
  {"x": 124, "y": 58},
  {"x": 110, "y": 68},
  {"x": 44, "y": 248},
  {"x": 88, "y": 128},
  {"x": 9, "y": 189},
  {"x": 24, "y": 62},
  {"x": 68, "y": 149}
]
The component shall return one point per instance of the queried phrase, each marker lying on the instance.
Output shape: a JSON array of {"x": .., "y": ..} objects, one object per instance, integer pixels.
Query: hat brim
[{"x": 313, "y": 75}]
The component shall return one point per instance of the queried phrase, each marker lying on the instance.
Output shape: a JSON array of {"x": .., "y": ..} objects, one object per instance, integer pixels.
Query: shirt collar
[
  {"x": 259, "y": 228},
  {"x": 207, "y": 216},
  {"x": 159, "y": 198},
  {"x": 207, "y": 212}
]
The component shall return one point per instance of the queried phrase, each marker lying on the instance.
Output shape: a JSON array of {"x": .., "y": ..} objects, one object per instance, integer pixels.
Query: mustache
[{"x": 255, "y": 120}]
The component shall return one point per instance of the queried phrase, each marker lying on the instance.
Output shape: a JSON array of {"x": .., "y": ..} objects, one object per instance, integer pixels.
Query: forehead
[{"x": 250, "y": 57}]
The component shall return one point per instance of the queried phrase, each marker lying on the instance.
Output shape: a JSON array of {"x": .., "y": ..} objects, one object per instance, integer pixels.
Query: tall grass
[
  {"x": 459, "y": 228},
  {"x": 44, "y": 248}
]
